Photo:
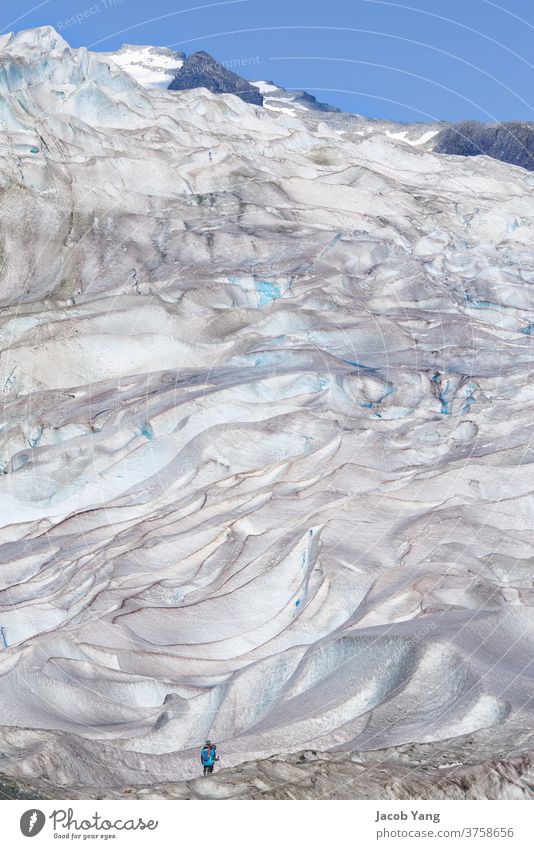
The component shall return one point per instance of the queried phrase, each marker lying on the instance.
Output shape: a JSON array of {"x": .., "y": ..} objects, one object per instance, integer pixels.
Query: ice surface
[{"x": 267, "y": 420}]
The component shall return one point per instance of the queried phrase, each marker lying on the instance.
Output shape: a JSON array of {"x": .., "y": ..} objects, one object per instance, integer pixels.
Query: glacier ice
[{"x": 266, "y": 444}]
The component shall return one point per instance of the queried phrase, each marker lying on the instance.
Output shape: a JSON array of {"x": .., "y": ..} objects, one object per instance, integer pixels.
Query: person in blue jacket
[{"x": 208, "y": 757}]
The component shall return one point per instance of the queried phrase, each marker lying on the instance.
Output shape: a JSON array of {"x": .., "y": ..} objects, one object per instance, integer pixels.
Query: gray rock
[
  {"x": 469, "y": 767},
  {"x": 200, "y": 70}
]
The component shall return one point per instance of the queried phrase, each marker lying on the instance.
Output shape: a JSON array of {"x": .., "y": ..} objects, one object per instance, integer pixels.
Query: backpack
[{"x": 206, "y": 756}]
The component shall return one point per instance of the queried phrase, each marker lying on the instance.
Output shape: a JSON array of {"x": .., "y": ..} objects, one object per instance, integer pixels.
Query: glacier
[{"x": 267, "y": 428}]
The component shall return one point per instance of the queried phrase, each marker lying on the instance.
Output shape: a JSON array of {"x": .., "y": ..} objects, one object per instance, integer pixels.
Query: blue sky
[{"x": 411, "y": 60}]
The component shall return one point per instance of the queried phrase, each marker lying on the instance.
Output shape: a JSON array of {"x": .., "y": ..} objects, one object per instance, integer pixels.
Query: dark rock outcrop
[
  {"x": 312, "y": 103},
  {"x": 200, "y": 70},
  {"x": 511, "y": 142}
]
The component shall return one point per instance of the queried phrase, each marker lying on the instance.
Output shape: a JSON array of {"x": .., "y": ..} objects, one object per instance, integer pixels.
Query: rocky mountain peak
[{"x": 200, "y": 70}]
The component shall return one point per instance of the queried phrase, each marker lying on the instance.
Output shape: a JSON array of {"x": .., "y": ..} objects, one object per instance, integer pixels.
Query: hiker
[{"x": 208, "y": 756}]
